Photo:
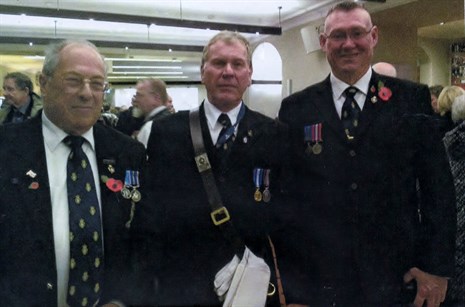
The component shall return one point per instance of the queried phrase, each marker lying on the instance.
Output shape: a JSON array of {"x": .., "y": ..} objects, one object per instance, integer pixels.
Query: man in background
[
  {"x": 151, "y": 98},
  {"x": 360, "y": 141},
  {"x": 20, "y": 101},
  {"x": 386, "y": 69}
]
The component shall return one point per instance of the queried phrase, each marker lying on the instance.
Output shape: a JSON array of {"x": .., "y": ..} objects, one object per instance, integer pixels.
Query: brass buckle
[
  {"x": 218, "y": 220},
  {"x": 202, "y": 162}
]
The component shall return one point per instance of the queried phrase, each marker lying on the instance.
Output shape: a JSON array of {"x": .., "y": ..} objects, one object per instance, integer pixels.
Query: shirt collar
[
  {"x": 212, "y": 113},
  {"x": 155, "y": 111},
  {"x": 340, "y": 86},
  {"x": 53, "y": 135}
]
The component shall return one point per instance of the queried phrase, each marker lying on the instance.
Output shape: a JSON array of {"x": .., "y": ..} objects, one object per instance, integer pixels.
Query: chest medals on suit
[
  {"x": 131, "y": 183},
  {"x": 261, "y": 177},
  {"x": 313, "y": 139}
]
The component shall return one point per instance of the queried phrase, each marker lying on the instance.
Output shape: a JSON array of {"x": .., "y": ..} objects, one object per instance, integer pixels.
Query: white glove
[{"x": 224, "y": 277}]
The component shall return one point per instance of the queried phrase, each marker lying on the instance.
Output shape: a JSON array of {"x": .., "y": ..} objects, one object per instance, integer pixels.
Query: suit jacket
[
  {"x": 187, "y": 250},
  {"x": 358, "y": 200},
  {"x": 28, "y": 274}
]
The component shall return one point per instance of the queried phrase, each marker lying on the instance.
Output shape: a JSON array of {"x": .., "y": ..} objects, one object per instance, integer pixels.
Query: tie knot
[
  {"x": 74, "y": 141},
  {"x": 224, "y": 120},
  {"x": 350, "y": 91}
]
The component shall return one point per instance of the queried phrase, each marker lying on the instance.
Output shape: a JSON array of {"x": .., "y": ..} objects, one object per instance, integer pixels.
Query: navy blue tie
[
  {"x": 86, "y": 249},
  {"x": 224, "y": 140},
  {"x": 350, "y": 113}
]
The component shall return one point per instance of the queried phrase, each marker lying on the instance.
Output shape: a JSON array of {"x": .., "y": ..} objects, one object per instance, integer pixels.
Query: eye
[
  {"x": 338, "y": 36},
  {"x": 357, "y": 34},
  {"x": 72, "y": 81},
  {"x": 97, "y": 85}
]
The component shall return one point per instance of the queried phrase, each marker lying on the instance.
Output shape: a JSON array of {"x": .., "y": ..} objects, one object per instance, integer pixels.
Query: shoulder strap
[{"x": 220, "y": 214}]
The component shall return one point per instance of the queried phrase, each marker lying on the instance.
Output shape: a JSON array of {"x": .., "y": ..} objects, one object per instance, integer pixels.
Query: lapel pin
[
  {"x": 374, "y": 99},
  {"x": 34, "y": 185},
  {"x": 31, "y": 173}
]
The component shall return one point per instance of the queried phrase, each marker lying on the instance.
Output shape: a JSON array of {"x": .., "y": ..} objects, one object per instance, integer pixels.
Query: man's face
[
  {"x": 145, "y": 99},
  {"x": 434, "y": 103},
  {"x": 73, "y": 96},
  {"x": 348, "y": 42},
  {"x": 226, "y": 74},
  {"x": 13, "y": 94}
]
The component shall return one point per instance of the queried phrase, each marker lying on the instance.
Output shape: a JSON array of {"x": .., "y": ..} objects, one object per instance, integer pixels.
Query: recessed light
[{"x": 442, "y": 23}]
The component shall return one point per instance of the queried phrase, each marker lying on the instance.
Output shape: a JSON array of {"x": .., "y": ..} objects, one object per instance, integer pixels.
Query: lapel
[
  {"x": 325, "y": 104},
  {"x": 108, "y": 151},
  {"x": 30, "y": 156}
]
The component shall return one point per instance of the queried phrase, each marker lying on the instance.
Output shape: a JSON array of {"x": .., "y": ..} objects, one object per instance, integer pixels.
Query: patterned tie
[
  {"x": 350, "y": 112},
  {"x": 226, "y": 136},
  {"x": 86, "y": 250}
]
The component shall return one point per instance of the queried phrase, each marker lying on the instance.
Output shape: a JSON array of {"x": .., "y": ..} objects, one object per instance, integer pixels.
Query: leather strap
[
  {"x": 219, "y": 215},
  {"x": 282, "y": 298}
]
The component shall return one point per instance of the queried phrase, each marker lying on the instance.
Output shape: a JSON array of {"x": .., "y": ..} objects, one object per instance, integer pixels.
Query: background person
[
  {"x": 20, "y": 101},
  {"x": 357, "y": 183}
]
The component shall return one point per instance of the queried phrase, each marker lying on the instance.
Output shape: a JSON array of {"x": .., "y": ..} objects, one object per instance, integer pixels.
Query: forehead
[
  {"x": 233, "y": 48},
  {"x": 81, "y": 59},
  {"x": 143, "y": 86},
  {"x": 11, "y": 82},
  {"x": 340, "y": 20}
]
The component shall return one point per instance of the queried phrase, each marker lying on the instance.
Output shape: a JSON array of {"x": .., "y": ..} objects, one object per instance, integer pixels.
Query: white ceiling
[{"x": 43, "y": 22}]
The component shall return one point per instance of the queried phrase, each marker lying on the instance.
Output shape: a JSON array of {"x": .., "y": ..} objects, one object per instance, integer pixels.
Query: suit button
[
  {"x": 354, "y": 186},
  {"x": 49, "y": 286},
  {"x": 352, "y": 153}
]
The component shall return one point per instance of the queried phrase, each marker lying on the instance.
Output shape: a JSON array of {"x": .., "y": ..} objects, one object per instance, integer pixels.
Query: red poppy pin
[
  {"x": 114, "y": 185},
  {"x": 384, "y": 93}
]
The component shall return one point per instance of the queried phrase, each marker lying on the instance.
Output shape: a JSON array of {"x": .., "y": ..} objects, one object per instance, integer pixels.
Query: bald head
[{"x": 386, "y": 69}]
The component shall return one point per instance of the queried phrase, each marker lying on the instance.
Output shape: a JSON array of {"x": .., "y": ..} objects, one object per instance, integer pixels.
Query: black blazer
[
  {"x": 358, "y": 200},
  {"x": 27, "y": 258},
  {"x": 187, "y": 250}
]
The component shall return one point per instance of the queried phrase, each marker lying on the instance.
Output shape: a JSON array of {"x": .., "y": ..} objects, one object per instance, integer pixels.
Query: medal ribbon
[
  {"x": 230, "y": 131},
  {"x": 131, "y": 179},
  {"x": 258, "y": 177},
  {"x": 266, "y": 178},
  {"x": 316, "y": 133}
]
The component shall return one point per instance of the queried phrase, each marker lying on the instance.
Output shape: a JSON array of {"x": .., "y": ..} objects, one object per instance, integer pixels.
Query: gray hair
[
  {"x": 52, "y": 55},
  {"x": 228, "y": 37},
  {"x": 458, "y": 109}
]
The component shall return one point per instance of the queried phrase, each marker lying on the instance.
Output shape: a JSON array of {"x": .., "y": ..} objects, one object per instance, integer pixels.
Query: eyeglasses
[
  {"x": 74, "y": 83},
  {"x": 353, "y": 34}
]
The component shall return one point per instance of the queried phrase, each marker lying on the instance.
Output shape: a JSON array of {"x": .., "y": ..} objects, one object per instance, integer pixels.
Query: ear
[
  {"x": 374, "y": 35},
  {"x": 43, "y": 80},
  {"x": 323, "y": 39}
]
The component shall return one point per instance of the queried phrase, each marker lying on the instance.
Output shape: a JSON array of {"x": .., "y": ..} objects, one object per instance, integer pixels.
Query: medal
[
  {"x": 131, "y": 180},
  {"x": 266, "y": 183},
  {"x": 312, "y": 135},
  {"x": 126, "y": 193},
  {"x": 308, "y": 150},
  {"x": 257, "y": 195},
  {"x": 135, "y": 195},
  {"x": 257, "y": 179},
  {"x": 316, "y": 149}
]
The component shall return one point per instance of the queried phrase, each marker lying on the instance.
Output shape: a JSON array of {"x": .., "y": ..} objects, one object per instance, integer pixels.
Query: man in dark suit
[
  {"x": 356, "y": 165},
  {"x": 37, "y": 260},
  {"x": 188, "y": 250},
  {"x": 151, "y": 98}
]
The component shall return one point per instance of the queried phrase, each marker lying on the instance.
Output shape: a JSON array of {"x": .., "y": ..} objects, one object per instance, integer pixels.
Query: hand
[{"x": 430, "y": 288}]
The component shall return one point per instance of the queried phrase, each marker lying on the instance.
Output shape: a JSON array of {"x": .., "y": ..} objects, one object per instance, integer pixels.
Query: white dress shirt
[
  {"x": 212, "y": 113},
  {"x": 57, "y": 153},
  {"x": 340, "y": 86}
]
